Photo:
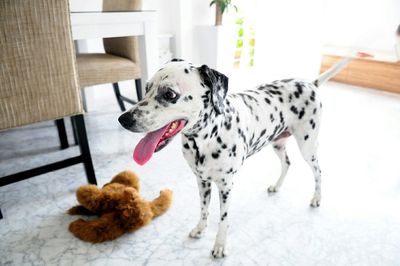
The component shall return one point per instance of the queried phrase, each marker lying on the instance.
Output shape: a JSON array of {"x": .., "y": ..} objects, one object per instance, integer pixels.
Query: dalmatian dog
[{"x": 220, "y": 130}]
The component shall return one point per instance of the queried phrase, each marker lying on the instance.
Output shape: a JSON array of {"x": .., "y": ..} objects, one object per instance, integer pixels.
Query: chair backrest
[
  {"x": 38, "y": 76},
  {"x": 122, "y": 46}
]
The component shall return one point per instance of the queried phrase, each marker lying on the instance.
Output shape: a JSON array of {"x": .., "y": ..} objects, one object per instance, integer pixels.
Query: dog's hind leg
[
  {"x": 279, "y": 147},
  {"x": 307, "y": 142}
]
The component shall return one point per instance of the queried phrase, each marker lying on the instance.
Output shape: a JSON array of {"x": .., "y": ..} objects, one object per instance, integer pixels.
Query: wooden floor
[{"x": 367, "y": 73}]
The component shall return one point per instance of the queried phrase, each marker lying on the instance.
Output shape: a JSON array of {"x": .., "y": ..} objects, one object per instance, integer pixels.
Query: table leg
[{"x": 148, "y": 52}]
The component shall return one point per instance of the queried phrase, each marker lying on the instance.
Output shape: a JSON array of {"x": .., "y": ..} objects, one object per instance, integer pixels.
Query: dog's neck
[{"x": 208, "y": 119}]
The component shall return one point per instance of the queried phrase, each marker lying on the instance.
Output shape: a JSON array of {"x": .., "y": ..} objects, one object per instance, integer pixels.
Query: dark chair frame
[
  {"x": 121, "y": 99},
  {"x": 85, "y": 156}
]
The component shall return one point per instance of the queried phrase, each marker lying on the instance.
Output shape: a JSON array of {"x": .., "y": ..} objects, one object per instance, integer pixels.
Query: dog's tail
[{"x": 336, "y": 68}]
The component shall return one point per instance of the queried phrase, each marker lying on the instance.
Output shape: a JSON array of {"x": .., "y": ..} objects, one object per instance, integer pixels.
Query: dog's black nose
[{"x": 126, "y": 120}]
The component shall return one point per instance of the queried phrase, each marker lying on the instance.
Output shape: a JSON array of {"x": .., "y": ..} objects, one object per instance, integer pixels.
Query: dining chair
[
  {"x": 119, "y": 62},
  {"x": 38, "y": 76}
]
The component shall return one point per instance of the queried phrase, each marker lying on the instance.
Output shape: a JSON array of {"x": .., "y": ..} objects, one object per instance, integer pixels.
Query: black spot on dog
[
  {"x": 207, "y": 193},
  {"x": 299, "y": 88},
  {"x": 144, "y": 103},
  {"x": 214, "y": 130},
  {"x": 224, "y": 216},
  {"x": 301, "y": 113},
  {"x": 186, "y": 146},
  {"x": 275, "y": 92},
  {"x": 287, "y": 160},
  {"x": 190, "y": 97},
  {"x": 314, "y": 111},
  {"x": 148, "y": 87},
  {"x": 186, "y": 71},
  {"x": 201, "y": 159},
  {"x": 272, "y": 118},
  {"x": 280, "y": 99},
  {"x": 176, "y": 60},
  {"x": 312, "y": 97},
  {"x": 305, "y": 137},
  {"x": 215, "y": 155},
  {"x": 294, "y": 109},
  {"x": 312, "y": 123},
  {"x": 267, "y": 100},
  {"x": 286, "y": 80}
]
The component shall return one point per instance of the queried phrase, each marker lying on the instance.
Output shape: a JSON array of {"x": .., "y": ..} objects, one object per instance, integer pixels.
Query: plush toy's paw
[
  {"x": 79, "y": 210},
  {"x": 197, "y": 232},
  {"x": 167, "y": 193},
  {"x": 219, "y": 251}
]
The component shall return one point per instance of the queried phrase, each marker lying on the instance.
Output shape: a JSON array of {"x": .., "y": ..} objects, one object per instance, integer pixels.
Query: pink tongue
[{"x": 146, "y": 146}]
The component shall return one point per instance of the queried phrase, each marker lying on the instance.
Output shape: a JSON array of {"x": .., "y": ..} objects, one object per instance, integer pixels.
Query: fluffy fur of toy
[{"x": 119, "y": 207}]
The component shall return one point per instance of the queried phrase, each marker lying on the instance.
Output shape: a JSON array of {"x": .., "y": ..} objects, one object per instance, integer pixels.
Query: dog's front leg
[
  {"x": 225, "y": 191},
  {"x": 205, "y": 195}
]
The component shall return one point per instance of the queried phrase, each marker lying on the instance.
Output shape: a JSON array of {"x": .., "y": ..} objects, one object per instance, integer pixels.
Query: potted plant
[{"x": 220, "y": 7}]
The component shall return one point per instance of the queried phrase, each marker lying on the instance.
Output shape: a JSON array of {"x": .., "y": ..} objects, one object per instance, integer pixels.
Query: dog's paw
[
  {"x": 218, "y": 251},
  {"x": 315, "y": 202},
  {"x": 197, "y": 232},
  {"x": 272, "y": 189}
]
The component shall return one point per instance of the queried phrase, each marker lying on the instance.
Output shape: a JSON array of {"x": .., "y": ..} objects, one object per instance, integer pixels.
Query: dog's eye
[{"x": 169, "y": 95}]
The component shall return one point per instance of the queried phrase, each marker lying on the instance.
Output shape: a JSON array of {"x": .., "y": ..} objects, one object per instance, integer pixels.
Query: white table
[{"x": 90, "y": 25}]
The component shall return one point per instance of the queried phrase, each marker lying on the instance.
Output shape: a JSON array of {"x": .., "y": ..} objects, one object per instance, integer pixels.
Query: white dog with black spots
[{"x": 221, "y": 130}]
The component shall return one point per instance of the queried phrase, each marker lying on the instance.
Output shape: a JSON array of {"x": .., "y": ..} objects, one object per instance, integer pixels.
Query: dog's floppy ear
[{"x": 218, "y": 83}]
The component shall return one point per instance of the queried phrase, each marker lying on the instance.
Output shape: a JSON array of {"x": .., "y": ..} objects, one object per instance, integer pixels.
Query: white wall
[
  {"x": 361, "y": 23},
  {"x": 288, "y": 41}
]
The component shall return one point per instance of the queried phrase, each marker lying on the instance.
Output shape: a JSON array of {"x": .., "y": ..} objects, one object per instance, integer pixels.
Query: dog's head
[{"x": 176, "y": 97}]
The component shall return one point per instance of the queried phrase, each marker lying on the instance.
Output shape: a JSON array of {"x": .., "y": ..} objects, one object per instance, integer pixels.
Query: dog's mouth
[{"x": 156, "y": 140}]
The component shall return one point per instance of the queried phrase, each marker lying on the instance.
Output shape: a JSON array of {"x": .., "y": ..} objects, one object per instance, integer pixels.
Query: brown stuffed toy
[{"x": 119, "y": 206}]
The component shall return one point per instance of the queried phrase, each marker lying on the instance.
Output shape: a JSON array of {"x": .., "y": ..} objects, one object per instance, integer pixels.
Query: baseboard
[{"x": 369, "y": 73}]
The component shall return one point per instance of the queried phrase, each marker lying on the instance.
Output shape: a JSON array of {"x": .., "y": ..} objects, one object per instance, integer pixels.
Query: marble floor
[{"x": 358, "y": 222}]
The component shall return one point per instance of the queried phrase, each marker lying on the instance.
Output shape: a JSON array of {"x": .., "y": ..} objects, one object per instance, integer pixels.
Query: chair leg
[
  {"x": 74, "y": 131},
  {"x": 138, "y": 84},
  {"x": 62, "y": 133},
  {"x": 84, "y": 147},
  {"x": 84, "y": 99},
  {"x": 119, "y": 98}
]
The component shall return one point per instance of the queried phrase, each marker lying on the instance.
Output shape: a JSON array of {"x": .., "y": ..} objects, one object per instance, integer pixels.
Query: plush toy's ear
[{"x": 218, "y": 84}]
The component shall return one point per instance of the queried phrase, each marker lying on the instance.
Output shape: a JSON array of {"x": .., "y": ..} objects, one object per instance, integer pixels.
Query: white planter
[{"x": 215, "y": 47}]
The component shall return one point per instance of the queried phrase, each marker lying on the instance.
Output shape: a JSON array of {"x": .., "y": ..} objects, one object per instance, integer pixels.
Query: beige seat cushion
[{"x": 97, "y": 69}]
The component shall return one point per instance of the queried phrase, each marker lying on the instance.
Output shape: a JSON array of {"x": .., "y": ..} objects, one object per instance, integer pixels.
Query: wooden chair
[
  {"x": 38, "y": 76},
  {"x": 119, "y": 62}
]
